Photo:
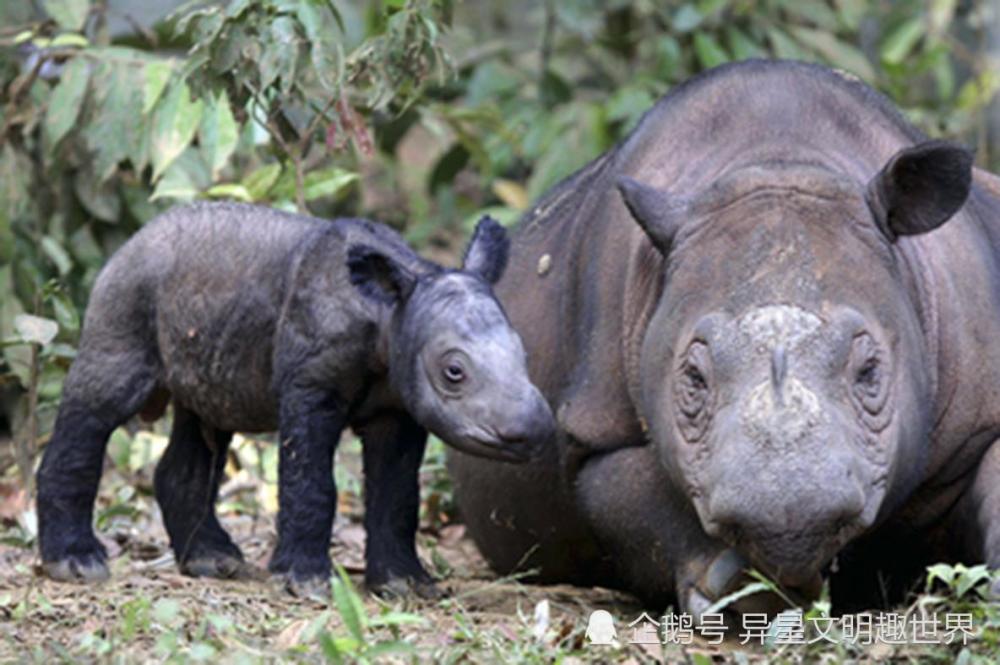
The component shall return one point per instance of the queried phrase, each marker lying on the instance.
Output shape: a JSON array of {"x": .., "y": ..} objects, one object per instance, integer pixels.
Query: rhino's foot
[
  {"x": 422, "y": 587},
  {"x": 314, "y": 588},
  {"x": 221, "y": 565},
  {"x": 83, "y": 568},
  {"x": 994, "y": 593}
]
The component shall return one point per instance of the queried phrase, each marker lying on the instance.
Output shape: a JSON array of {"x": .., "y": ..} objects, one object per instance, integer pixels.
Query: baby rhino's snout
[{"x": 532, "y": 427}]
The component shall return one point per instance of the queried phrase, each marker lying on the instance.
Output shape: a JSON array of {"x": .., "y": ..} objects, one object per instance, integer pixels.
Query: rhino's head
[
  {"x": 786, "y": 374},
  {"x": 458, "y": 365}
]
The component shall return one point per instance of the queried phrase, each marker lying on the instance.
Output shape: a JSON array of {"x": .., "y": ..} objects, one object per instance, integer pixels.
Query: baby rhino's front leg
[
  {"x": 393, "y": 449},
  {"x": 310, "y": 423}
]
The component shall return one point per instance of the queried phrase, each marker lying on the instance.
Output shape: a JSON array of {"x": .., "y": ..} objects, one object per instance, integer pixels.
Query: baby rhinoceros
[{"x": 254, "y": 320}]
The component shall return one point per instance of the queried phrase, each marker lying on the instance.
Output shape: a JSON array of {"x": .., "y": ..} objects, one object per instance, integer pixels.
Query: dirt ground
[{"x": 149, "y": 612}]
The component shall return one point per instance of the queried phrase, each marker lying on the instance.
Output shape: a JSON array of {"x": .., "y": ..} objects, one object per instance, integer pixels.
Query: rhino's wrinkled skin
[
  {"x": 769, "y": 324},
  {"x": 255, "y": 320}
]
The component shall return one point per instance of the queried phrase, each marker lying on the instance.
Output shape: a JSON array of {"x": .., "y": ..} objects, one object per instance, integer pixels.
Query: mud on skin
[
  {"x": 761, "y": 326},
  {"x": 252, "y": 320}
]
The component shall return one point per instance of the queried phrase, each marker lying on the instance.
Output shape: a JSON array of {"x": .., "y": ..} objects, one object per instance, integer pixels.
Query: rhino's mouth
[
  {"x": 489, "y": 446},
  {"x": 793, "y": 559}
]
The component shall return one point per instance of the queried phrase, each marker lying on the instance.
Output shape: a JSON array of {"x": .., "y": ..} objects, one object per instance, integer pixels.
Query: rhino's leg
[
  {"x": 105, "y": 387},
  {"x": 393, "y": 449},
  {"x": 979, "y": 513},
  {"x": 310, "y": 423},
  {"x": 187, "y": 485},
  {"x": 655, "y": 538}
]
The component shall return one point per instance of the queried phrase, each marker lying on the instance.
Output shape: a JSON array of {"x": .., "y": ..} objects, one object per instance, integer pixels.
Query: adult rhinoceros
[{"x": 792, "y": 360}]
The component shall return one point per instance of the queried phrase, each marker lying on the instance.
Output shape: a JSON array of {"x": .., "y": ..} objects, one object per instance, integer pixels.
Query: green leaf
[
  {"x": 185, "y": 178},
  {"x": 977, "y": 92},
  {"x": 69, "y": 40},
  {"x": 898, "y": 43},
  {"x": 230, "y": 190},
  {"x": 816, "y": 12},
  {"x": 174, "y": 125},
  {"x": 741, "y": 46},
  {"x": 327, "y": 182},
  {"x": 66, "y": 101},
  {"x": 219, "y": 133},
  {"x": 259, "y": 182},
  {"x": 156, "y": 74},
  {"x": 687, "y": 18},
  {"x": 969, "y": 578},
  {"x": 850, "y": 12},
  {"x": 710, "y": 53},
  {"x": 99, "y": 198},
  {"x": 727, "y": 600},
  {"x": 940, "y": 16},
  {"x": 281, "y": 52},
  {"x": 330, "y": 649},
  {"x": 35, "y": 329},
  {"x": 349, "y": 605},
  {"x": 322, "y": 27},
  {"x": 940, "y": 571},
  {"x": 69, "y": 14},
  {"x": 66, "y": 314},
  {"x": 837, "y": 53},
  {"x": 57, "y": 255},
  {"x": 784, "y": 46},
  {"x": 118, "y": 130}
]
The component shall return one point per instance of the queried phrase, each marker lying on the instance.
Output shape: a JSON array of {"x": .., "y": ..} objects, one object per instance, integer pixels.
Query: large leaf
[
  {"x": 99, "y": 198},
  {"x": 280, "y": 53},
  {"x": 69, "y": 14},
  {"x": 156, "y": 74},
  {"x": 710, "y": 53},
  {"x": 118, "y": 131},
  {"x": 898, "y": 43},
  {"x": 174, "y": 125},
  {"x": 836, "y": 52},
  {"x": 66, "y": 101},
  {"x": 323, "y": 28},
  {"x": 260, "y": 181},
  {"x": 186, "y": 177},
  {"x": 219, "y": 133}
]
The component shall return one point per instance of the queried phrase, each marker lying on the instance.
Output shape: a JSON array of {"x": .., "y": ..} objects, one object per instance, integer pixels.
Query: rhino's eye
[
  {"x": 692, "y": 391},
  {"x": 870, "y": 385}
]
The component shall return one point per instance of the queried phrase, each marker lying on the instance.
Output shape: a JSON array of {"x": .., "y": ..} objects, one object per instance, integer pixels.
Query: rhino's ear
[
  {"x": 488, "y": 250},
  {"x": 658, "y": 213},
  {"x": 378, "y": 276},
  {"x": 920, "y": 188}
]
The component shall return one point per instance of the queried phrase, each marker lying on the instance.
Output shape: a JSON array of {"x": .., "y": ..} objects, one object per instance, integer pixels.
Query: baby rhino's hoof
[
  {"x": 309, "y": 588},
  {"x": 222, "y": 566},
  {"x": 85, "y": 569},
  {"x": 407, "y": 587}
]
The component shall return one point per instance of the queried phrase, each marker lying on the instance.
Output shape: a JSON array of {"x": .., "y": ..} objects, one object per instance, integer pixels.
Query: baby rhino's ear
[
  {"x": 378, "y": 276},
  {"x": 487, "y": 253}
]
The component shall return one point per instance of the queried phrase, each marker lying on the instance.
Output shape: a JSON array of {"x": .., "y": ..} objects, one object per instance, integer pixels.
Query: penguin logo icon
[{"x": 601, "y": 629}]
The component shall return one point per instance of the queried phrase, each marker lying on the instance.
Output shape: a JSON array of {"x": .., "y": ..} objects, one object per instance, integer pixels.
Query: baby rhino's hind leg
[{"x": 187, "y": 485}]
